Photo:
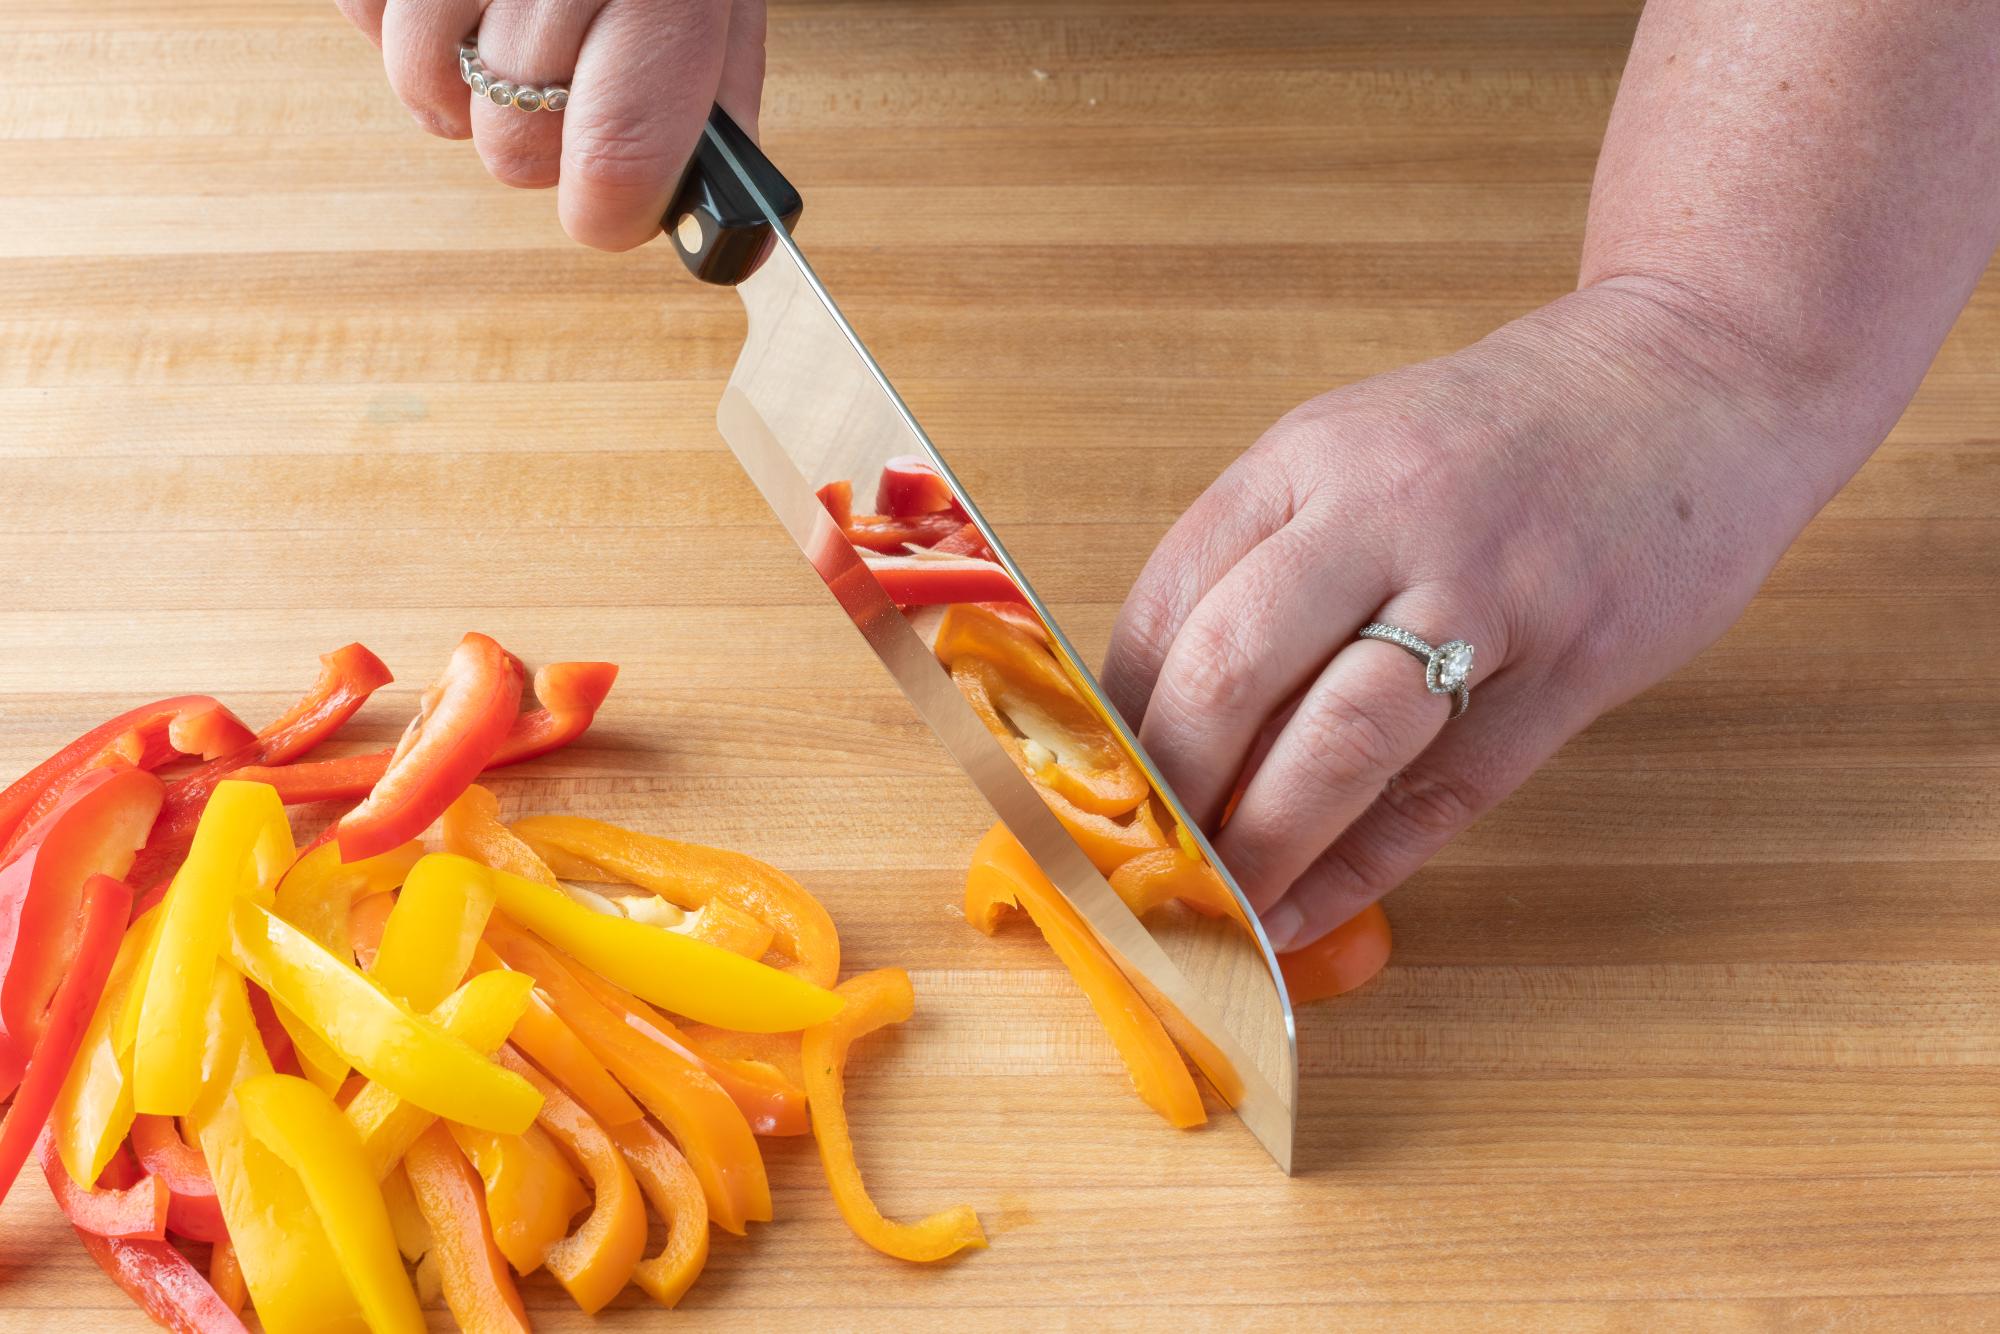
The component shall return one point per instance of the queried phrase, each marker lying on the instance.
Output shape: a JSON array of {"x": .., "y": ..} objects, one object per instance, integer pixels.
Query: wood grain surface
[{"x": 1699, "y": 1031}]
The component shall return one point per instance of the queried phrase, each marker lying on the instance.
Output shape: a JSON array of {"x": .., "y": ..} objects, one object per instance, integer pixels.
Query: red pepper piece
[
  {"x": 893, "y": 536},
  {"x": 107, "y": 906},
  {"x": 463, "y": 719},
  {"x": 347, "y": 677},
  {"x": 277, "y": 1042},
  {"x": 165, "y": 1285},
  {"x": 926, "y": 581},
  {"x": 146, "y": 737},
  {"x": 94, "y": 829},
  {"x": 570, "y": 694},
  {"x": 192, "y": 1211},
  {"x": 911, "y": 485},
  {"x": 137, "y": 1208},
  {"x": 838, "y": 497},
  {"x": 967, "y": 541}
]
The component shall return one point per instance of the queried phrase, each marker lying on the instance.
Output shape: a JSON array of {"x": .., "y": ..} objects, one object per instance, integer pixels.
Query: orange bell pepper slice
[
  {"x": 1004, "y": 876},
  {"x": 671, "y": 1084},
  {"x": 773, "y": 1051},
  {"x": 1108, "y": 841},
  {"x": 675, "y": 1194},
  {"x": 690, "y": 876},
  {"x": 413, "y": 1233},
  {"x": 531, "y": 1190},
  {"x": 554, "y": 1046},
  {"x": 1020, "y": 691},
  {"x": 873, "y": 1000},
  {"x": 1340, "y": 960},
  {"x": 1166, "y": 874},
  {"x": 594, "y": 1262},
  {"x": 225, "y": 1275},
  {"x": 477, "y": 1286},
  {"x": 472, "y": 828},
  {"x": 771, "y": 1103}
]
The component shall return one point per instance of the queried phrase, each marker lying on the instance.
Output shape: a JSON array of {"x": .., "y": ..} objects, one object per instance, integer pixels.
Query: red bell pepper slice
[
  {"x": 107, "y": 906},
  {"x": 459, "y": 726},
  {"x": 967, "y": 541},
  {"x": 167, "y": 1288},
  {"x": 926, "y": 581},
  {"x": 192, "y": 1211},
  {"x": 94, "y": 829},
  {"x": 570, "y": 694},
  {"x": 277, "y": 1042},
  {"x": 838, "y": 497},
  {"x": 125, "y": 1202},
  {"x": 893, "y": 536},
  {"x": 347, "y": 677},
  {"x": 911, "y": 485},
  {"x": 146, "y": 737}
]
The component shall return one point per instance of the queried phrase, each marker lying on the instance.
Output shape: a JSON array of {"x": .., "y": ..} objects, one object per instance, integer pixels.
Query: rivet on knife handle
[{"x": 716, "y": 225}]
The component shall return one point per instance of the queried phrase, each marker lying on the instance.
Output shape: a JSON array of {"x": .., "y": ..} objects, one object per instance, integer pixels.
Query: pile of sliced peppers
[{"x": 425, "y": 1053}]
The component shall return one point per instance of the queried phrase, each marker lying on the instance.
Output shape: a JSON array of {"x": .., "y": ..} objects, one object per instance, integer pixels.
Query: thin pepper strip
[
  {"x": 873, "y": 1001},
  {"x": 107, "y": 906},
  {"x": 1004, "y": 876},
  {"x": 689, "y": 977},
  {"x": 167, "y": 1287},
  {"x": 429, "y": 936},
  {"x": 377, "y": 1035},
  {"x": 690, "y": 876},
  {"x": 696, "y": 1110},
  {"x": 406, "y": 1220},
  {"x": 531, "y": 1190},
  {"x": 570, "y": 694},
  {"x": 300, "y": 1125},
  {"x": 1165, "y": 875},
  {"x": 287, "y": 1261},
  {"x": 136, "y": 1209},
  {"x": 554, "y": 1046},
  {"x": 225, "y": 1275},
  {"x": 146, "y": 737},
  {"x": 463, "y": 718},
  {"x": 193, "y": 1211},
  {"x": 675, "y": 1194},
  {"x": 596, "y": 1261},
  {"x": 479, "y": 1014},
  {"x": 1340, "y": 960},
  {"x": 347, "y": 677},
  {"x": 477, "y": 1287},
  {"x": 241, "y": 847}
]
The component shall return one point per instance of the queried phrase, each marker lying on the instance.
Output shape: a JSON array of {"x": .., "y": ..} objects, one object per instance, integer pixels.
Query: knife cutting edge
[{"x": 806, "y": 405}]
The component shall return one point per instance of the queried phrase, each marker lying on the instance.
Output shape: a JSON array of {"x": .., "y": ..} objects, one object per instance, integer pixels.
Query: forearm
[{"x": 1814, "y": 189}]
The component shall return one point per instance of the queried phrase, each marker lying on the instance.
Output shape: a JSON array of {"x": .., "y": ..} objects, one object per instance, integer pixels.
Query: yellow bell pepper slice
[
  {"x": 373, "y": 1032},
  {"x": 428, "y": 940},
  {"x": 306, "y": 1131},
  {"x": 242, "y": 845},
  {"x": 317, "y": 895},
  {"x": 685, "y": 976},
  {"x": 1004, "y": 876},
  {"x": 480, "y": 1014},
  {"x": 406, "y": 1220},
  {"x": 93, "y": 1111},
  {"x": 288, "y": 1264},
  {"x": 874, "y": 999}
]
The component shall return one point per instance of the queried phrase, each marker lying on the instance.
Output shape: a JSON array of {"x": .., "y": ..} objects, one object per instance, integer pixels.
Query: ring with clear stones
[
  {"x": 521, "y": 96},
  {"x": 1446, "y": 666}
]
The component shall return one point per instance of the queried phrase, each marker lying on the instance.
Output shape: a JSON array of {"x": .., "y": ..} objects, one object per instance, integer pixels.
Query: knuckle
[
  {"x": 1433, "y": 806},
  {"x": 621, "y": 152},
  {"x": 1214, "y": 671},
  {"x": 522, "y": 168},
  {"x": 1348, "y": 875},
  {"x": 1349, "y": 742}
]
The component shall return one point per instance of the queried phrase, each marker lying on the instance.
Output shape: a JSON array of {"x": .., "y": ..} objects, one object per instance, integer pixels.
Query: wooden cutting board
[{"x": 1698, "y": 1031}]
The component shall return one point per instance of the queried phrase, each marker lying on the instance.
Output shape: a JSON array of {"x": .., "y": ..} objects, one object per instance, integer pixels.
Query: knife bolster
[{"x": 717, "y": 223}]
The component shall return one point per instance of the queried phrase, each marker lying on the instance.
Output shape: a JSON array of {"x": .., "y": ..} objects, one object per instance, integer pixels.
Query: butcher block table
[{"x": 1700, "y": 1030}]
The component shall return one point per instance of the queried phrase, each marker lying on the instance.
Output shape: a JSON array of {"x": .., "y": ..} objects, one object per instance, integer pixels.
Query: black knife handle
[{"x": 716, "y": 226}]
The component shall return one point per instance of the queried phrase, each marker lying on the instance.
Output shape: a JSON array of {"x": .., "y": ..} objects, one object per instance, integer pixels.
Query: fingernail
[{"x": 1282, "y": 923}]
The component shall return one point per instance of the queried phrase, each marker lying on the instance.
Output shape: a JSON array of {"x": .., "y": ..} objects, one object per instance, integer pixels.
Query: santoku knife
[{"x": 806, "y": 406}]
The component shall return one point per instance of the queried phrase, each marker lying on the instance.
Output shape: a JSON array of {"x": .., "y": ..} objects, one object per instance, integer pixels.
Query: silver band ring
[
  {"x": 501, "y": 93},
  {"x": 1445, "y": 667}
]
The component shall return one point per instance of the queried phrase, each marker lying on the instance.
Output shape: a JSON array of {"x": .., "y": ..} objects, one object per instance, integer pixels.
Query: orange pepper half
[
  {"x": 1004, "y": 876},
  {"x": 691, "y": 876},
  {"x": 1340, "y": 960},
  {"x": 1028, "y": 702},
  {"x": 873, "y": 1000},
  {"x": 670, "y": 1083},
  {"x": 594, "y": 1262},
  {"x": 675, "y": 1193}
]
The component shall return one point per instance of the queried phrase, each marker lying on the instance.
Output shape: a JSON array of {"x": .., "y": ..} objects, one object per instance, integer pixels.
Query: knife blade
[{"x": 807, "y": 405}]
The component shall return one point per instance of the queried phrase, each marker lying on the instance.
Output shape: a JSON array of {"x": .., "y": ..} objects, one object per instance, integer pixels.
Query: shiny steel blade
[{"x": 807, "y": 405}]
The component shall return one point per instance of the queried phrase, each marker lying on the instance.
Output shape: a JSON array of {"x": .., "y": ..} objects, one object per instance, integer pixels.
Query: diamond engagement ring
[
  {"x": 520, "y": 96},
  {"x": 1445, "y": 667}
]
